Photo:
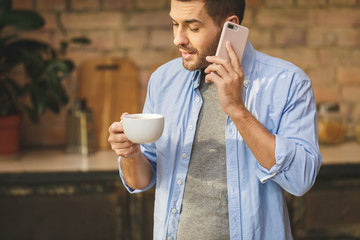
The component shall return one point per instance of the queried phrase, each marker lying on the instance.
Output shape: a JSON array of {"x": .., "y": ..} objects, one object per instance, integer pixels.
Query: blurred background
[{"x": 55, "y": 187}]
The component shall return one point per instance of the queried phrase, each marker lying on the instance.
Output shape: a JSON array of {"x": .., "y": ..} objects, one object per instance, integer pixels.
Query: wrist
[
  {"x": 239, "y": 113},
  {"x": 135, "y": 156}
]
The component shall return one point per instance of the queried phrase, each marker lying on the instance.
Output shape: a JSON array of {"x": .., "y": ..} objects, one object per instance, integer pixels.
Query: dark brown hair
[{"x": 219, "y": 10}]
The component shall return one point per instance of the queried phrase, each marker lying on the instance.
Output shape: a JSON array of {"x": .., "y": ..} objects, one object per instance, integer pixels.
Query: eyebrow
[
  {"x": 192, "y": 21},
  {"x": 189, "y": 21}
]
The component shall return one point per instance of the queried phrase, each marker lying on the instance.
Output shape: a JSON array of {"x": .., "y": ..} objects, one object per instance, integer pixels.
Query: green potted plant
[{"x": 44, "y": 67}]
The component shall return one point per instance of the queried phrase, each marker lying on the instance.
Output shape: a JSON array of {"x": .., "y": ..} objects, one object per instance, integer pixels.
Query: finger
[
  {"x": 241, "y": 71},
  {"x": 116, "y": 127},
  {"x": 220, "y": 61},
  {"x": 218, "y": 69},
  {"x": 118, "y": 138},
  {"x": 217, "y": 60},
  {"x": 233, "y": 57},
  {"x": 223, "y": 73},
  {"x": 122, "y": 115},
  {"x": 122, "y": 145},
  {"x": 230, "y": 65},
  {"x": 213, "y": 77},
  {"x": 126, "y": 152}
]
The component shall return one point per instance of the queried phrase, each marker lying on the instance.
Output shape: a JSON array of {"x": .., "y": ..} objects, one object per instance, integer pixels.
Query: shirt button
[
  {"x": 174, "y": 211},
  {"x": 197, "y": 99},
  {"x": 179, "y": 182},
  {"x": 246, "y": 82},
  {"x": 191, "y": 127},
  {"x": 169, "y": 238},
  {"x": 184, "y": 155}
]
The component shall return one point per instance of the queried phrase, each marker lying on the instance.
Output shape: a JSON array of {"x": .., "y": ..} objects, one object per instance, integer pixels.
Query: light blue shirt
[{"x": 280, "y": 96}]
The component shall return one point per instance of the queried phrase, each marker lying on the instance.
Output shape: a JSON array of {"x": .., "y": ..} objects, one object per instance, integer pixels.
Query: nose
[{"x": 180, "y": 37}]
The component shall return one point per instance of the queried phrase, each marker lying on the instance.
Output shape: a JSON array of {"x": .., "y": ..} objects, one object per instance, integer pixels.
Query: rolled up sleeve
[
  {"x": 297, "y": 154},
  {"x": 130, "y": 190}
]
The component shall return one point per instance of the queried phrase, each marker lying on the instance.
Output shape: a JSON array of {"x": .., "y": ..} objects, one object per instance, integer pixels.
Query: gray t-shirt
[{"x": 204, "y": 213}]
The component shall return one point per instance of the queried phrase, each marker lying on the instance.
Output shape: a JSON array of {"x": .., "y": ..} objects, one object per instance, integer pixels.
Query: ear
[{"x": 233, "y": 18}]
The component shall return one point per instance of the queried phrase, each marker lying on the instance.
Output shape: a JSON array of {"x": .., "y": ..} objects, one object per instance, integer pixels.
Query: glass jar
[
  {"x": 357, "y": 132},
  {"x": 80, "y": 137},
  {"x": 331, "y": 125}
]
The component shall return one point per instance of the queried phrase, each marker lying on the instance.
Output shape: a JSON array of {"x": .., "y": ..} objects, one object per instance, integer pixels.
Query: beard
[{"x": 200, "y": 61}]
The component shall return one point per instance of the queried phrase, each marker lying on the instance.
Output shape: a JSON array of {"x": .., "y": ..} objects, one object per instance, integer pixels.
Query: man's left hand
[{"x": 228, "y": 76}]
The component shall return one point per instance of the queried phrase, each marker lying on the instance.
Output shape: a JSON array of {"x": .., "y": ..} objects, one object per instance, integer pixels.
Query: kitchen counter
[
  {"x": 56, "y": 160},
  {"x": 345, "y": 153}
]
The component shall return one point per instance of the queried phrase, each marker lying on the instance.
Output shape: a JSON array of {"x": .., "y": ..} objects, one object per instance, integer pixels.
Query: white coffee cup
[{"x": 143, "y": 127}]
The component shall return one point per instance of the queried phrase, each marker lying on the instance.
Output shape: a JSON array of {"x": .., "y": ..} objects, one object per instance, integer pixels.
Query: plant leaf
[
  {"x": 14, "y": 86},
  {"x": 61, "y": 94},
  {"x": 5, "y": 5},
  {"x": 52, "y": 103},
  {"x": 34, "y": 65},
  {"x": 70, "y": 64},
  {"x": 22, "y": 19},
  {"x": 81, "y": 40},
  {"x": 57, "y": 70},
  {"x": 10, "y": 93},
  {"x": 3, "y": 40},
  {"x": 31, "y": 113},
  {"x": 63, "y": 46},
  {"x": 28, "y": 44},
  {"x": 13, "y": 54},
  {"x": 38, "y": 98}
]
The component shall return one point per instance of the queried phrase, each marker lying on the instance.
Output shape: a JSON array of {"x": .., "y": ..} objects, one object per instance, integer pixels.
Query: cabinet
[
  {"x": 331, "y": 209},
  {"x": 63, "y": 206},
  {"x": 50, "y": 195}
]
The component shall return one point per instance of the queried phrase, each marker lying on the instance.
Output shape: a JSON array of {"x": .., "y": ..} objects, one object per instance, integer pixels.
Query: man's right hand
[
  {"x": 135, "y": 166},
  {"x": 121, "y": 145}
]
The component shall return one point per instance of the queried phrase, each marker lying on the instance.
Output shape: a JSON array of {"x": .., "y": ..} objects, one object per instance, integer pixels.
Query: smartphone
[{"x": 237, "y": 35}]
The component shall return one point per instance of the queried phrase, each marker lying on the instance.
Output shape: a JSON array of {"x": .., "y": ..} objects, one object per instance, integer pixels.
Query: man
[{"x": 236, "y": 135}]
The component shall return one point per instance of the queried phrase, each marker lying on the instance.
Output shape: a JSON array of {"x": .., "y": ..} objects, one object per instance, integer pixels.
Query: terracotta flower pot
[{"x": 10, "y": 134}]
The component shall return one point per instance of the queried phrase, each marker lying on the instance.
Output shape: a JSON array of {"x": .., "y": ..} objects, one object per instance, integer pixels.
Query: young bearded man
[{"x": 236, "y": 135}]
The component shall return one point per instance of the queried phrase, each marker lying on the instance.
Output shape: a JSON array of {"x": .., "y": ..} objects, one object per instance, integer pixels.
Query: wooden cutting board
[{"x": 110, "y": 86}]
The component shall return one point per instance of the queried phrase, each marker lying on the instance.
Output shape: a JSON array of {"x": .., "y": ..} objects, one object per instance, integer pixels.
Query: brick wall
[{"x": 320, "y": 36}]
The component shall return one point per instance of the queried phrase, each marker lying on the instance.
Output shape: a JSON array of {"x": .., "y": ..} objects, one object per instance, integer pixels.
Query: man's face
[{"x": 195, "y": 33}]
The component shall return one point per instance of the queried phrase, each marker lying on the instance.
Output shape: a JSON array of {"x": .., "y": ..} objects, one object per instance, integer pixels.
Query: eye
[{"x": 194, "y": 29}]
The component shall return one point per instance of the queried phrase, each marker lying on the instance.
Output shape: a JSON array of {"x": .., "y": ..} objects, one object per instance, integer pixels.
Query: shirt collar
[
  {"x": 248, "y": 60},
  {"x": 196, "y": 78}
]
